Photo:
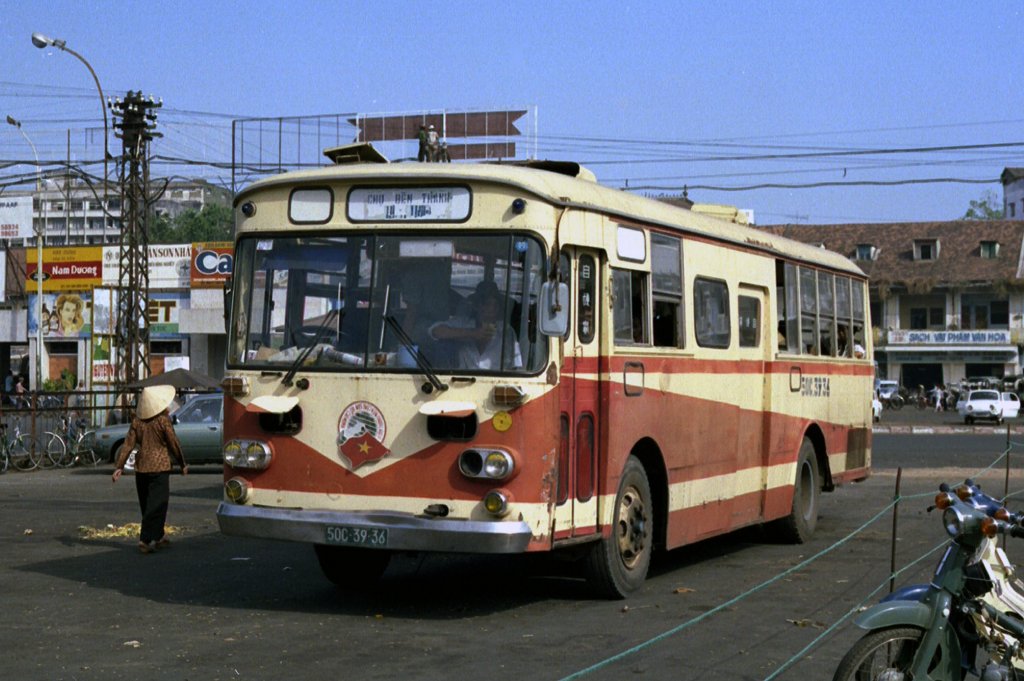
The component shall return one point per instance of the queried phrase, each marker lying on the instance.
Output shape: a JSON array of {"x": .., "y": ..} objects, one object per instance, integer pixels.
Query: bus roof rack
[{"x": 360, "y": 152}]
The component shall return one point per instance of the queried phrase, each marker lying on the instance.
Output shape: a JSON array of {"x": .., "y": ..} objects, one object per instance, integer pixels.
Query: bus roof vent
[
  {"x": 361, "y": 152},
  {"x": 570, "y": 168}
]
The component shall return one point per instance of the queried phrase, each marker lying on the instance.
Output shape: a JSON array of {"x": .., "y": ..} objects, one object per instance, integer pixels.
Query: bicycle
[
  {"x": 18, "y": 450},
  {"x": 73, "y": 447}
]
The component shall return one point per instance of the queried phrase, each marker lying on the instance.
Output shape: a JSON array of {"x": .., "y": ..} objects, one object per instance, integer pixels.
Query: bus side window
[
  {"x": 630, "y": 306},
  {"x": 748, "y": 309},
  {"x": 711, "y": 313},
  {"x": 667, "y": 285}
]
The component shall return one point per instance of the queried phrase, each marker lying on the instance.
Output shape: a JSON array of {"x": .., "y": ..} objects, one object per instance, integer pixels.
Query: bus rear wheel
[
  {"x": 799, "y": 525},
  {"x": 617, "y": 564},
  {"x": 350, "y": 567}
]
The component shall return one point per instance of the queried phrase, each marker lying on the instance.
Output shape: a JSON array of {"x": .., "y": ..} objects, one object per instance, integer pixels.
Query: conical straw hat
[{"x": 154, "y": 400}]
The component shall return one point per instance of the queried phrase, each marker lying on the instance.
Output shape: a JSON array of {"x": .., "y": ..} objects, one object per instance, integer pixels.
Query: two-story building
[
  {"x": 1013, "y": 193},
  {"x": 947, "y": 298}
]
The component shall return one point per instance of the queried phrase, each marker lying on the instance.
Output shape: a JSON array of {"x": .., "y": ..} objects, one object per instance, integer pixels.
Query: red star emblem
[{"x": 363, "y": 449}]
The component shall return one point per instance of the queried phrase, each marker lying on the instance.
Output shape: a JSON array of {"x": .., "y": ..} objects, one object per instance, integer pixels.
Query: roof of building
[
  {"x": 959, "y": 260},
  {"x": 1011, "y": 175}
]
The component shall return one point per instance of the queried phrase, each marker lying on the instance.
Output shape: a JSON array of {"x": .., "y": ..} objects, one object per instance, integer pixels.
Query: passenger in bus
[{"x": 479, "y": 336}]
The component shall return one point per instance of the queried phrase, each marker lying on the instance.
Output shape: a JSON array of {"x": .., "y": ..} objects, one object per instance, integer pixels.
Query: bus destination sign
[{"x": 409, "y": 204}]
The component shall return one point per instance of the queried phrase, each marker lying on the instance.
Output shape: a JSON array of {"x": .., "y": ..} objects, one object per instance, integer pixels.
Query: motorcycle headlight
[{"x": 953, "y": 521}]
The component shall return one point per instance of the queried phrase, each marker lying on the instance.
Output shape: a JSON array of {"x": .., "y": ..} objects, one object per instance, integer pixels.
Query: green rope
[
  {"x": 852, "y": 611},
  {"x": 763, "y": 585},
  {"x": 718, "y": 608}
]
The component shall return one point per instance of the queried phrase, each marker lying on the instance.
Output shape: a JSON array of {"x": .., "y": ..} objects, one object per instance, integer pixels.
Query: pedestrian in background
[
  {"x": 940, "y": 396},
  {"x": 151, "y": 436}
]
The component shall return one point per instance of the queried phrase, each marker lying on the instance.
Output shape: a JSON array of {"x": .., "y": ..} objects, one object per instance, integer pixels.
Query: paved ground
[{"x": 216, "y": 607}]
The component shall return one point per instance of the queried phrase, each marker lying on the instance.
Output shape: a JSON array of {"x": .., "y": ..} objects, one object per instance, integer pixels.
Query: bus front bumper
[{"x": 404, "y": 532}]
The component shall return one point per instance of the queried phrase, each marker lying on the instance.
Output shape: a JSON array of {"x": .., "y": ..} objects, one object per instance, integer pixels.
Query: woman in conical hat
[{"x": 156, "y": 447}]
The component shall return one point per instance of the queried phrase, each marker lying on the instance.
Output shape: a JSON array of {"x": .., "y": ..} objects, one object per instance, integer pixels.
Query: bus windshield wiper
[
  {"x": 294, "y": 368},
  {"x": 417, "y": 356}
]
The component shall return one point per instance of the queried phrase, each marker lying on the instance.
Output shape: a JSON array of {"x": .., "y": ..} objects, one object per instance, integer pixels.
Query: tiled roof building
[{"x": 947, "y": 298}]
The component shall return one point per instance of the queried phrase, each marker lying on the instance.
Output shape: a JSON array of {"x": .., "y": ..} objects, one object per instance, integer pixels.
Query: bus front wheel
[
  {"x": 617, "y": 564},
  {"x": 351, "y": 567}
]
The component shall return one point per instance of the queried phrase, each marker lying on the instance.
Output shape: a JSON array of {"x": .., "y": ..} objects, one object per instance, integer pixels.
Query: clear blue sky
[{"x": 650, "y": 93}]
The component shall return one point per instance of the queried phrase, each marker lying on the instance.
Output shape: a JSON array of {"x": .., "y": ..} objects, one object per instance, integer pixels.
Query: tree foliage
[
  {"x": 212, "y": 223},
  {"x": 985, "y": 208}
]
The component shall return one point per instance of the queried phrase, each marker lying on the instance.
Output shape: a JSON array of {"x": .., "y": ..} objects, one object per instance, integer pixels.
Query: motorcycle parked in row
[{"x": 972, "y": 605}]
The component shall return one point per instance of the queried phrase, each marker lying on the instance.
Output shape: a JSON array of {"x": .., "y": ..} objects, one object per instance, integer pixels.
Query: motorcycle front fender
[
  {"x": 890, "y": 614},
  {"x": 894, "y": 614}
]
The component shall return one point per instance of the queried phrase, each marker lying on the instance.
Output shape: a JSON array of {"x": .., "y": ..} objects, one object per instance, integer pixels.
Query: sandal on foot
[
  {"x": 146, "y": 548},
  {"x": 164, "y": 541}
]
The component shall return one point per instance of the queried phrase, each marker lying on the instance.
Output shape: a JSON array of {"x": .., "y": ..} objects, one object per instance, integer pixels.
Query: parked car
[
  {"x": 988, "y": 404},
  {"x": 983, "y": 383},
  {"x": 199, "y": 426},
  {"x": 886, "y": 389}
]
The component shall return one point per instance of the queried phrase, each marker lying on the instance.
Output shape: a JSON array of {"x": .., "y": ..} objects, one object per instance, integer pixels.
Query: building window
[
  {"x": 865, "y": 252},
  {"x": 918, "y": 318},
  {"x": 1013, "y": 209},
  {"x": 936, "y": 317},
  {"x": 989, "y": 249},
  {"x": 926, "y": 250}
]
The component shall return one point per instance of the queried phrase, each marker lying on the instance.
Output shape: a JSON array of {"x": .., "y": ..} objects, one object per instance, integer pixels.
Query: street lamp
[
  {"x": 40, "y": 235},
  {"x": 41, "y": 41}
]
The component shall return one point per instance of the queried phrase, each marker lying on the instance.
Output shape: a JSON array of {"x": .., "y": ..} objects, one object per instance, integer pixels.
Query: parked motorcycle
[{"x": 936, "y": 631}]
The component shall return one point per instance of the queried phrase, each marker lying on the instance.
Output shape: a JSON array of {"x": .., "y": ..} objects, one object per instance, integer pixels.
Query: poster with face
[{"x": 63, "y": 315}]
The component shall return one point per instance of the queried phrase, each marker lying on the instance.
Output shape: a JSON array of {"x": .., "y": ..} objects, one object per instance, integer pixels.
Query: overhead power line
[{"x": 814, "y": 185}]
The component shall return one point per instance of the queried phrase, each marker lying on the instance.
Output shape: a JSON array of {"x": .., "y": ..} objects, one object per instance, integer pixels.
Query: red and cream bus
[{"x": 501, "y": 358}]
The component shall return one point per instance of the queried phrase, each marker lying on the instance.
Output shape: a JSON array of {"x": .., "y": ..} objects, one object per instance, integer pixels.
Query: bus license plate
[{"x": 356, "y": 536}]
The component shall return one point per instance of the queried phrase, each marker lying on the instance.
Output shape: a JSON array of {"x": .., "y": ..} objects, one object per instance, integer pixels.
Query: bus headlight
[
  {"x": 488, "y": 464},
  {"x": 252, "y": 454}
]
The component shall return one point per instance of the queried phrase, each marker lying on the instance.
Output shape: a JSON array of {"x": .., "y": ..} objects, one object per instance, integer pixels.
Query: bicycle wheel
[
  {"x": 56, "y": 451},
  {"x": 24, "y": 453},
  {"x": 83, "y": 453}
]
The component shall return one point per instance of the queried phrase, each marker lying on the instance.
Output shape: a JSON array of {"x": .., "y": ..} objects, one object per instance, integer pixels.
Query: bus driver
[{"x": 479, "y": 336}]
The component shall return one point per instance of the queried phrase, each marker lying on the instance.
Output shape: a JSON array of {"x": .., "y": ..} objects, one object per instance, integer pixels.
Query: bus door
[
  {"x": 579, "y": 402},
  {"x": 756, "y": 336}
]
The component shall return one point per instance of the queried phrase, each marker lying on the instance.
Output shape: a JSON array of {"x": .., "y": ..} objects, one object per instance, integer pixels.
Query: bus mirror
[{"x": 554, "y": 308}]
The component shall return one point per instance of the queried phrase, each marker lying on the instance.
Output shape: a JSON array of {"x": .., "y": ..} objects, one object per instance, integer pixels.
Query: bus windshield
[{"x": 465, "y": 303}]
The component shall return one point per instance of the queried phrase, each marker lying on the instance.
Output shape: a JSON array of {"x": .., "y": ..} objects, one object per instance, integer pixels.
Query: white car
[
  {"x": 988, "y": 404},
  {"x": 886, "y": 389}
]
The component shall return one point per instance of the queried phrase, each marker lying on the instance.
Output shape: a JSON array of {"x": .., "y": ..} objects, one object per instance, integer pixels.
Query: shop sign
[
  {"x": 73, "y": 268},
  {"x": 966, "y": 337},
  {"x": 16, "y": 217},
  {"x": 164, "y": 310},
  {"x": 168, "y": 266},
  {"x": 212, "y": 263},
  {"x": 64, "y": 315},
  {"x": 102, "y": 361}
]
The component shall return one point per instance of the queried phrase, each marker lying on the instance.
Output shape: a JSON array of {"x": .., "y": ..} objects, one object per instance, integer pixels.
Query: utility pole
[{"x": 136, "y": 127}]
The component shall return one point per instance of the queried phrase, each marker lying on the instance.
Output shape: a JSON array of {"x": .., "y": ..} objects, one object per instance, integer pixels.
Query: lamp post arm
[{"x": 103, "y": 105}]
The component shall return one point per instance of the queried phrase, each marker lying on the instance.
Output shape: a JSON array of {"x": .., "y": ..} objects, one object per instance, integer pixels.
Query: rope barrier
[{"x": 799, "y": 566}]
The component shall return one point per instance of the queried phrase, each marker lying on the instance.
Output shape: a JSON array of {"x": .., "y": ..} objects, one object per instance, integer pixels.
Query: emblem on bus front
[{"x": 361, "y": 431}]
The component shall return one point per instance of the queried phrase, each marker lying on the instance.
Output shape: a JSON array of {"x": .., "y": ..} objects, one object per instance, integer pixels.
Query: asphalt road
[{"x": 215, "y": 607}]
